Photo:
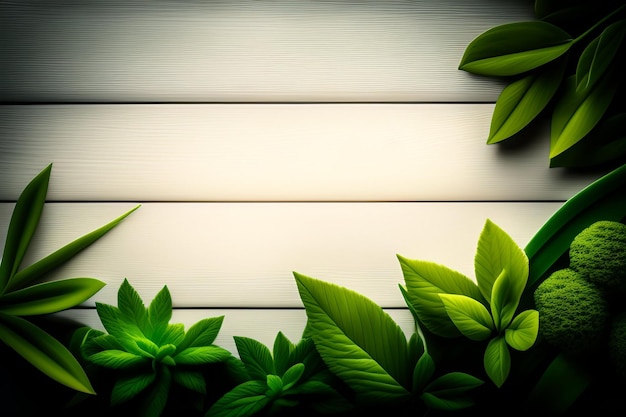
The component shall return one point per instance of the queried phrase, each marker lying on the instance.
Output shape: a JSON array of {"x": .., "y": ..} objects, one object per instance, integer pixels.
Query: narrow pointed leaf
[
  {"x": 522, "y": 333},
  {"x": 522, "y": 101},
  {"x": 497, "y": 361},
  {"x": 59, "y": 257},
  {"x": 599, "y": 54},
  {"x": 468, "y": 315},
  {"x": 202, "y": 333},
  {"x": 49, "y": 297},
  {"x": 44, "y": 352},
  {"x": 497, "y": 251},
  {"x": 515, "y": 48},
  {"x": 576, "y": 114},
  {"x": 282, "y": 353},
  {"x": 357, "y": 339},
  {"x": 424, "y": 282},
  {"x": 256, "y": 356},
  {"x": 23, "y": 223},
  {"x": 505, "y": 298}
]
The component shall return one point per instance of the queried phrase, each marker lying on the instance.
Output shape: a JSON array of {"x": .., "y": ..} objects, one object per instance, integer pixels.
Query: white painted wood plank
[
  {"x": 262, "y": 325},
  {"x": 245, "y": 50},
  {"x": 243, "y": 254},
  {"x": 275, "y": 152}
]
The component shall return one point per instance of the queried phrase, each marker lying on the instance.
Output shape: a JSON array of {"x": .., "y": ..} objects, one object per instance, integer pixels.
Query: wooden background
[{"x": 262, "y": 137}]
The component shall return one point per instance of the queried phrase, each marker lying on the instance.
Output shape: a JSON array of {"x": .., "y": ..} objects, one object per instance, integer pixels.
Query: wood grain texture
[
  {"x": 262, "y": 325},
  {"x": 245, "y": 50},
  {"x": 244, "y": 254},
  {"x": 275, "y": 152}
]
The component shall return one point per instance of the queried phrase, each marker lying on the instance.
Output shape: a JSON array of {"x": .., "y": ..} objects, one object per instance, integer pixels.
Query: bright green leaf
[
  {"x": 424, "y": 282},
  {"x": 116, "y": 323},
  {"x": 522, "y": 333},
  {"x": 282, "y": 352},
  {"x": 497, "y": 361},
  {"x": 117, "y": 359},
  {"x": 515, "y": 48},
  {"x": 130, "y": 304},
  {"x": 160, "y": 313},
  {"x": 576, "y": 114},
  {"x": 59, "y": 257},
  {"x": 468, "y": 315},
  {"x": 44, "y": 352},
  {"x": 599, "y": 54},
  {"x": 505, "y": 298},
  {"x": 292, "y": 375},
  {"x": 522, "y": 101},
  {"x": 244, "y": 400},
  {"x": 423, "y": 372},
  {"x": 22, "y": 226},
  {"x": 497, "y": 251},
  {"x": 202, "y": 333},
  {"x": 357, "y": 339},
  {"x": 49, "y": 297},
  {"x": 256, "y": 356},
  {"x": 174, "y": 335},
  {"x": 201, "y": 355},
  {"x": 274, "y": 386}
]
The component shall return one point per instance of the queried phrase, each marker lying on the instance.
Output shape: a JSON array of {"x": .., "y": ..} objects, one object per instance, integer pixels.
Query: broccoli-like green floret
[
  {"x": 573, "y": 314},
  {"x": 617, "y": 344},
  {"x": 598, "y": 253}
]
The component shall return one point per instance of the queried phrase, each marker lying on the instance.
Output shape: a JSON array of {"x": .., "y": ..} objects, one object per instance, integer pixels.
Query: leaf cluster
[
  {"x": 147, "y": 353},
  {"x": 24, "y": 295},
  {"x": 566, "y": 64},
  {"x": 290, "y": 378}
]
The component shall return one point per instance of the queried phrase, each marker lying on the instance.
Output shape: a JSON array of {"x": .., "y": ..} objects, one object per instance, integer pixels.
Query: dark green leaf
[
  {"x": 244, "y": 400},
  {"x": 128, "y": 387},
  {"x": 154, "y": 404},
  {"x": 576, "y": 114},
  {"x": 448, "y": 392},
  {"x": 515, "y": 48},
  {"x": 49, "y": 297},
  {"x": 44, "y": 352},
  {"x": 191, "y": 380},
  {"x": 523, "y": 100},
  {"x": 358, "y": 340},
  {"x": 598, "y": 55},
  {"x": 24, "y": 221},
  {"x": 59, "y": 257},
  {"x": 256, "y": 356},
  {"x": 423, "y": 372},
  {"x": 282, "y": 352}
]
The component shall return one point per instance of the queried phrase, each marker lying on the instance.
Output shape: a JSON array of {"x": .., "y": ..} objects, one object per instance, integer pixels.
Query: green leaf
[
  {"x": 292, "y": 376},
  {"x": 522, "y": 101},
  {"x": 129, "y": 387},
  {"x": 497, "y": 361},
  {"x": 44, "y": 352},
  {"x": 577, "y": 113},
  {"x": 604, "y": 199},
  {"x": 274, "y": 386},
  {"x": 202, "y": 333},
  {"x": 448, "y": 392},
  {"x": 596, "y": 58},
  {"x": 256, "y": 356},
  {"x": 174, "y": 335},
  {"x": 130, "y": 305},
  {"x": 505, "y": 299},
  {"x": 154, "y": 403},
  {"x": 522, "y": 333},
  {"x": 49, "y": 297},
  {"x": 497, "y": 251},
  {"x": 116, "y": 324},
  {"x": 191, "y": 380},
  {"x": 244, "y": 400},
  {"x": 59, "y": 257},
  {"x": 201, "y": 355},
  {"x": 22, "y": 226},
  {"x": 357, "y": 339},
  {"x": 330, "y": 401},
  {"x": 282, "y": 352},
  {"x": 515, "y": 48},
  {"x": 423, "y": 372},
  {"x": 117, "y": 359},
  {"x": 160, "y": 313},
  {"x": 468, "y": 315},
  {"x": 425, "y": 281}
]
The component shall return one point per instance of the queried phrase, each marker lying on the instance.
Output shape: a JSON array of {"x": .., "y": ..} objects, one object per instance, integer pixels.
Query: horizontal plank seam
[
  {"x": 346, "y": 102},
  {"x": 212, "y": 307},
  {"x": 287, "y": 201}
]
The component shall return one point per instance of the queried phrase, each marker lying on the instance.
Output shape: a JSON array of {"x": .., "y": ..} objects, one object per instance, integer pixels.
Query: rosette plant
[
  {"x": 147, "y": 354},
  {"x": 290, "y": 378},
  {"x": 24, "y": 295},
  {"x": 567, "y": 64}
]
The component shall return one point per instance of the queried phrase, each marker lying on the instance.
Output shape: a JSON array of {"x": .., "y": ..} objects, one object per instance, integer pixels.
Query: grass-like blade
[
  {"x": 604, "y": 199},
  {"x": 23, "y": 224},
  {"x": 49, "y": 297},
  {"x": 57, "y": 258},
  {"x": 44, "y": 352},
  {"x": 515, "y": 48}
]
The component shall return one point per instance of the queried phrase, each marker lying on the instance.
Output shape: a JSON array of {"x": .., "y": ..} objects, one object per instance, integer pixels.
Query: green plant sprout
[
  {"x": 449, "y": 304},
  {"x": 22, "y": 294},
  {"x": 566, "y": 62},
  {"x": 290, "y": 377},
  {"x": 148, "y": 353},
  {"x": 364, "y": 347}
]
